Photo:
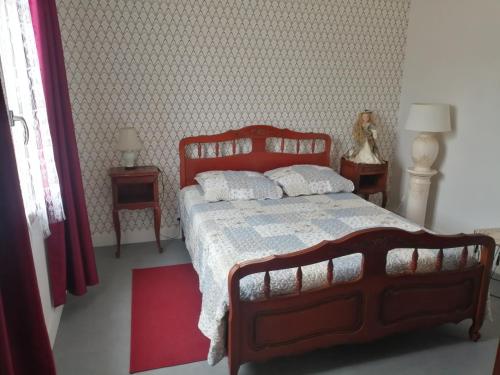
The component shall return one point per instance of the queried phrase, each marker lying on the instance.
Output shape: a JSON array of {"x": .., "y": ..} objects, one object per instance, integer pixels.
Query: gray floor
[{"x": 94, "y": 335}]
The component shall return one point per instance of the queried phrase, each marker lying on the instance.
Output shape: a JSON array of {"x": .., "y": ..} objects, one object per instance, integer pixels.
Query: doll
[{"x": 365, "y": 135}]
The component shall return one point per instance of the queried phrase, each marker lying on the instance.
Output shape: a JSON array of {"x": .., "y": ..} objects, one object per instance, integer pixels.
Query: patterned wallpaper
[{"x": 173, "y": 68}]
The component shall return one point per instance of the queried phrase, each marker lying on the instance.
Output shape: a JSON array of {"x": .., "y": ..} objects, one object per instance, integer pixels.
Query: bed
[{"x": 282, "y": 277}]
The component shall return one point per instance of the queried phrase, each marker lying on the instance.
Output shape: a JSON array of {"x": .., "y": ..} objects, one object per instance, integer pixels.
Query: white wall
[
  {"x": 453, "y": 57},
  {"x": 51, "y": 314}
]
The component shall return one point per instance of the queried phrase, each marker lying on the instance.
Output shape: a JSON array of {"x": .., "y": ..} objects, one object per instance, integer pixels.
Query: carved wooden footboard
[{"x": 373, "y": 306}]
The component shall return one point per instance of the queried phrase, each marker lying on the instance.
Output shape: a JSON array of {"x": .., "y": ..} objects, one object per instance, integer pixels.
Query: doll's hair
[{"x": 357, "y": 131}]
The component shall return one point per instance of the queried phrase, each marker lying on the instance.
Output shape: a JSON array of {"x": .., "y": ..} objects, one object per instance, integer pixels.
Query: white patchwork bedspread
[{"x": 221, "y": 234}]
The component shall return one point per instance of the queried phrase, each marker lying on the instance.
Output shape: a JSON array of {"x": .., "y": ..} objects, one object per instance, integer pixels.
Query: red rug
[{"x": 166, "y": 305}]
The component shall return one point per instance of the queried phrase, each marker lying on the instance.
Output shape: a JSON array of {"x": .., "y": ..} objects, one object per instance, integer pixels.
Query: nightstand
[
  {"x": 367, "y": 178},
  {"x": 135, "y": 189}
]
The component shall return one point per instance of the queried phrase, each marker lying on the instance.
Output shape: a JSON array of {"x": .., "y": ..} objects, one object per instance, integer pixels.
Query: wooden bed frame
[{"x": 375, "y": 305}]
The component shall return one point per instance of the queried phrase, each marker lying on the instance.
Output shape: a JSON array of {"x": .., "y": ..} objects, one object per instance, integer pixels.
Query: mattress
[{"x": 221, "y": 234}]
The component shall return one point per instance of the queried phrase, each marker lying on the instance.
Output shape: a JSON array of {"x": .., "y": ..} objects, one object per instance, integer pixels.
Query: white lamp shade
[
  {"x": 427, "y": 117},
  {"x": 128, "y": 140}
]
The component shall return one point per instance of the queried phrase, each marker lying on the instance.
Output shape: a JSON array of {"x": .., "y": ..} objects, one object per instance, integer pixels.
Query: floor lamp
[{"x": 427, "y": 119}]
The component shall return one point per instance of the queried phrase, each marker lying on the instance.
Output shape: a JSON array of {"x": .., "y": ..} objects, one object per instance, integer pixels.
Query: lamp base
[
  {"x": 424, "y": 152},
  {"x": 128, "y": 159}
]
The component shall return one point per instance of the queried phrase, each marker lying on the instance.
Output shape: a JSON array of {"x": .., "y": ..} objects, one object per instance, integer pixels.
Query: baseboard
[{"x": 146, "y": 235}]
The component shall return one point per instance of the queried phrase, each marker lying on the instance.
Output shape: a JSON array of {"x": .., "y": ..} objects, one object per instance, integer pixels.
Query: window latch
[{"x": 13, "y": 119}]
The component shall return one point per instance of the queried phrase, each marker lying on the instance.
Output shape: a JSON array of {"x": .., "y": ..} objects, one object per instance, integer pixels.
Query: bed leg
[
  {"x": 234, "y": 366},
  {"x": 474, "y": 334},
  {"x": 181, "y": 229}
]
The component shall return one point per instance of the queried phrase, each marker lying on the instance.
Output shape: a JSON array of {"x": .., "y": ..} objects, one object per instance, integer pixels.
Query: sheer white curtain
[{"x": 24, "y": 92}]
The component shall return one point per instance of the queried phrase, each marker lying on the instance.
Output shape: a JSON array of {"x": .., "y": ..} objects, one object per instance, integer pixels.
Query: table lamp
[
  {"x": 129, "y": 144},
  {"x": 427, "y": 119}
]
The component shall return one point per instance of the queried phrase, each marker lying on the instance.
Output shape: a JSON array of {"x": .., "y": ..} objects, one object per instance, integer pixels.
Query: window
[{"x": 22, "y": 84}]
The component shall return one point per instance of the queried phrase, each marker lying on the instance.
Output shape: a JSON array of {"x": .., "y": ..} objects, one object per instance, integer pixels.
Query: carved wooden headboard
[{"x": 253, "y": 148}]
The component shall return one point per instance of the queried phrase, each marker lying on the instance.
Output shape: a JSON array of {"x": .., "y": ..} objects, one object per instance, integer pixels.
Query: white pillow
[
  {"x": 237, "y": 185},
  {"x": 309, "y": 179}
]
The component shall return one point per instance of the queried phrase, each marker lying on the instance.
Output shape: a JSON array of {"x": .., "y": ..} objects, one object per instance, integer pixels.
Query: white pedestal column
[{"x": 418, "y": 193}]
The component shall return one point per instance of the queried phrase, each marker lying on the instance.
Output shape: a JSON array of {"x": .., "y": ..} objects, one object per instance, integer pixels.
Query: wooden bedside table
[
  {"x": 135, "y": 189},
  {"x": 367, "y": 178}
]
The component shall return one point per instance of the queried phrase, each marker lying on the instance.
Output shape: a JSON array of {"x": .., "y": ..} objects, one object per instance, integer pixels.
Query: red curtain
[
  {"x": 69, "y": 247},
  {"x": 24, "y": 342}
]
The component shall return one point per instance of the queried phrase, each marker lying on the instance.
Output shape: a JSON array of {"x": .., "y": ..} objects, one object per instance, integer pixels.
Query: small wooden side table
[
  {"x": 135, "y": 189},
  {"x": 367, "y": 178}
]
